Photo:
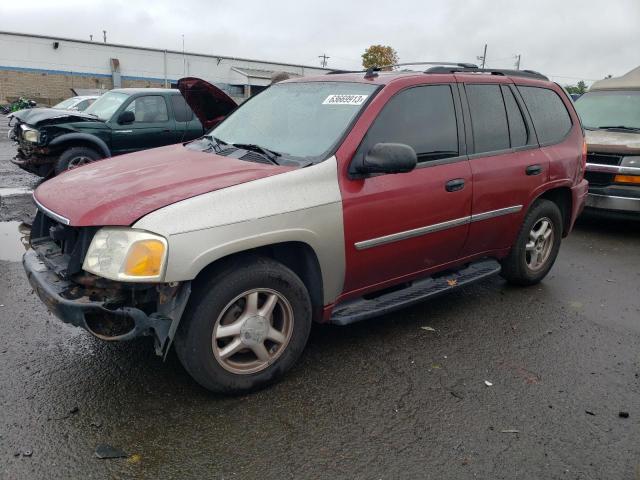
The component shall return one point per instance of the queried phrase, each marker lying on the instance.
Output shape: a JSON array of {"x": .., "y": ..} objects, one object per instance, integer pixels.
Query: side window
[
  {"x": 517, "y": 126},
  {"x": 181, "y": 110},
  {"x": 548, "y": 112},
  {"x": 488, "y": 118},
  {"x": 149, "y": 109},
  {"x": 422, "y": 117}
]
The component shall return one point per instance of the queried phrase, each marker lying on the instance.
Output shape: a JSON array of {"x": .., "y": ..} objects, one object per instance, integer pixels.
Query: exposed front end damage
[
  {"x": 111, "y": 311},
  {"x": 38, "y": 156}
]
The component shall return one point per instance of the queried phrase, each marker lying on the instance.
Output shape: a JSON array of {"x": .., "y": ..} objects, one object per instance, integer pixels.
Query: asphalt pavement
[{"x": 506, "y": 383}]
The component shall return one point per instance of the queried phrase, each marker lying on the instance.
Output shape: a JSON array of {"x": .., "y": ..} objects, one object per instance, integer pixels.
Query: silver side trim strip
[
  {"x": 495, "y": 213},
  {"x": 49, "y": 213},
  {"x": 416, "y": 232},
  {"x": 437, "y": 227},
  {"x": 596, "y": 167}
]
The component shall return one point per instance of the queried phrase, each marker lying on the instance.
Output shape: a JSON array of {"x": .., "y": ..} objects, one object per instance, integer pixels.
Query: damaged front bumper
[{"x": 87, "y": 307}]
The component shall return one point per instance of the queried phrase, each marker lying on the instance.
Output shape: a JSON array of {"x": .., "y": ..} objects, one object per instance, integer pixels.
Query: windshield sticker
[{"x": 345, "y": 100}]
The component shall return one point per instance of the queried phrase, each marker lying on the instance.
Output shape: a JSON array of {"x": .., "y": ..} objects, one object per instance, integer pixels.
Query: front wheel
[
  {"x": 537, "y": 245},
  {"x": 75, "y": 157},
  {"x": 245, "y": 327}
]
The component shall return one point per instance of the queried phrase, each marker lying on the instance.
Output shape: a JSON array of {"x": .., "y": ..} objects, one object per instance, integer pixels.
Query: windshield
[
  {"x": 66, "y": 103},
  {"x": 609, "y": 109},
  {"x": 105, "y": 106},
  {"x": 302, "y": 120}
]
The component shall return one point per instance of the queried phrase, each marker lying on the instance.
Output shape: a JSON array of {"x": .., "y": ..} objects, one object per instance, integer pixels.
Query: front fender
[{"x": 99, "y": 144}]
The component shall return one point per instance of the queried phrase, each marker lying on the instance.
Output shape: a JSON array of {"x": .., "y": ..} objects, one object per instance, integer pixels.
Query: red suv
[{"x": 333, "y": 198}]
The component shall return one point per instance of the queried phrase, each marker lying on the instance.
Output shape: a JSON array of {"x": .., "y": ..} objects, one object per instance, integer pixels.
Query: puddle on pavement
[
  {"x": 14, "y": 240},
  {"x": 7, "y": 192}
]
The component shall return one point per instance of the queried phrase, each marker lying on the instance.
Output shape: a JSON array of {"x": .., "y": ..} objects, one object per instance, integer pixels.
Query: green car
[{"x": 50, "y": 141}]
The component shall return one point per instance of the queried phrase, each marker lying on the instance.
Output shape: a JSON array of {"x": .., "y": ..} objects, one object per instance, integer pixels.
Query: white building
[{"x": 48, "y": 69}]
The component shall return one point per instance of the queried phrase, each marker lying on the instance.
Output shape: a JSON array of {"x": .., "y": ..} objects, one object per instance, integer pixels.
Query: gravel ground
[{"x": 380, "y": 399}]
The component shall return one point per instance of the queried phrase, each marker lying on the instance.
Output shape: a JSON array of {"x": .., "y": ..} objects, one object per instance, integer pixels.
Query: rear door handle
[
  {"x": 454, "y": 185},
  {"x": 534, "y": 170}
]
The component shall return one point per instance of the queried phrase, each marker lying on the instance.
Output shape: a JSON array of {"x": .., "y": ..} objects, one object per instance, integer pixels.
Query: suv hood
[
  {"x": 45, "y": 116},
  {"x": 121, "y": 190},
  {"x": 209, "y": 103},
  {"x": 606, "y": 141}
]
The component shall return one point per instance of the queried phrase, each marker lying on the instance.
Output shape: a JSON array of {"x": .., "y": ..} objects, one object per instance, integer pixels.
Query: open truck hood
[
  {"x": 43, "y": 116},
  {"x": 209, "y": 103},
  {"x": 123, "y": 189}
]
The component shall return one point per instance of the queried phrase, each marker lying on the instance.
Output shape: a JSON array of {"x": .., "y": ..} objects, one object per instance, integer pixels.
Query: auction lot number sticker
[{"x": 345, "y": 100}]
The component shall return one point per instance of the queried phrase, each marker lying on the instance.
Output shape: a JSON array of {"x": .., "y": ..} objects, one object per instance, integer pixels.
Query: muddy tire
[
  {"x": 74, "y": 157},
  {"x": 537, "y": 245},
  {"x": 245, "y": 326}
]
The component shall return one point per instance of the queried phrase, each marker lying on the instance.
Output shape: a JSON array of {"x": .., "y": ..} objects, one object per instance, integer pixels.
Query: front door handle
[
  {"x": 454, "y": 185},
  {"x": 534, "y": 170}
]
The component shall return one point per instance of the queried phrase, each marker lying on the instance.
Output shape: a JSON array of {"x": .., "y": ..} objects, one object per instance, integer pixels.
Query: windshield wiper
[
  {"x": 265, "y": 152},
  {"x": 214, "y": 142},
  {"x": 620, "y": 127}
]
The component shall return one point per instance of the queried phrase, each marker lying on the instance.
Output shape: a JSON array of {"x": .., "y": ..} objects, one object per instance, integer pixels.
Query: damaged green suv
[{"x": 50, "y": 141}]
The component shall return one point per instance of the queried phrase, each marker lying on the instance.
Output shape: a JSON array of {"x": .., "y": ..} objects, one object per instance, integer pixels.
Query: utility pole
[
  {"x": 518, "y": 62},
  {"x": 91, "y": 38},
  {"x": 104, "y": 36},
  {"x": 483, "y": 58},
  {"x": 184, "y": 59},
  {"x": 324, "y": 58}
]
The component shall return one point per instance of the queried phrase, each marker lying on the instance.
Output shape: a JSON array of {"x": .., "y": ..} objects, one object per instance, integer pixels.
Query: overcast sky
[{"x": 567, "y": 40}]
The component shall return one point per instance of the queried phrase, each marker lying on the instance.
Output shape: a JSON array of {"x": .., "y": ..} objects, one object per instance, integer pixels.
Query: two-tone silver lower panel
[{"x": 436, "y": 227}]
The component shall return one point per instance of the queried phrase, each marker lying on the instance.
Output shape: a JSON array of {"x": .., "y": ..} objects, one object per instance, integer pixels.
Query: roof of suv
[{"x": 386, "y": 77}]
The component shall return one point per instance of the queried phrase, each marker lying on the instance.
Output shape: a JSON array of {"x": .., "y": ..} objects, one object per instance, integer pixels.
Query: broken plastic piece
[
  {"x": 488, "y": 383},
  {"x": 428, "y": 329},
  {"x": 107, "y": 451}
]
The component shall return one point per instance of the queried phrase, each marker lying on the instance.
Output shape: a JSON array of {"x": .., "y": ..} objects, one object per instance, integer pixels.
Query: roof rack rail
[
  {"x": 492, "y": 71},
  {"x": 371, "y": 70}
]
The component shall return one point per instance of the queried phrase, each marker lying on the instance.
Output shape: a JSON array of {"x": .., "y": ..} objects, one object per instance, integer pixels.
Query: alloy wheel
[
  {"x": 540, "y": 244},
  {"x": 76, "y": 162},
  {"x": 252, "y": 331}
]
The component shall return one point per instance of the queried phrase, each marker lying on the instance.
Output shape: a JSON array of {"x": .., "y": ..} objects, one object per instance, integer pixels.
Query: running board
[{"x": 361, "y": 309}]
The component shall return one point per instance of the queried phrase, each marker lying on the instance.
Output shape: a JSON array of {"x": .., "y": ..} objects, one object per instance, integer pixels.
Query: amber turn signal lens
[
  {"x": 144, "y": 259},
  {"x": 627, "y": 179}
]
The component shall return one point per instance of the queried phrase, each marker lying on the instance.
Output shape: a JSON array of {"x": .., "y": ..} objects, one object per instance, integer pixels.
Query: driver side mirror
[
  {"x": 389, "y": 158},
  {"x": 126, "y": 117}
]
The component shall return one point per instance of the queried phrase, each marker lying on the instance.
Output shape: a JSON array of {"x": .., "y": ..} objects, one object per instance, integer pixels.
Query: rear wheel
[
  {"x": 246, "y": 326},
  {"x": 75, "y": 157},
  {"x": 537, "y": 245}
]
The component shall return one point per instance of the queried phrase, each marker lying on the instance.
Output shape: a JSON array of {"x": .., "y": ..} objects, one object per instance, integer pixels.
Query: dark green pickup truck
[{"x": 124, "y": 120}]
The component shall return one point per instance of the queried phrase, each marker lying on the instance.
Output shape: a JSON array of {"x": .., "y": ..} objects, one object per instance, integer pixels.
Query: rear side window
[
  {"x": 548, "y": 112},
  {"x": 517, "y": 126},
  {"x": 421, "y": 117},
  {"x": 488, "y": 118},
  {"x": 181, "y": 110}
]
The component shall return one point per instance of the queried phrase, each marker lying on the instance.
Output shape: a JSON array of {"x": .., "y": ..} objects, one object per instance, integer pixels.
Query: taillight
[{"x": 583, "y": 164}]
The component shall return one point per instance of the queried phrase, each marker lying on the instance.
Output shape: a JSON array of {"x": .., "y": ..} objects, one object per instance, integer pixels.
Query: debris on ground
[
  {"x": 97, "y": 423},
  {"x": 589, "y": 412},
  {"x": 623, "y": 414},
  {"x": 510, "y": 430},
  {"x": 488, "y": 383},
  {"x": 107, "y": 451},
  {"x": 74, "y": 410},
  {"x": 135, "y": 458},
  {"x": 27, "y": 453},
  {"x": 428, "y": 329}
]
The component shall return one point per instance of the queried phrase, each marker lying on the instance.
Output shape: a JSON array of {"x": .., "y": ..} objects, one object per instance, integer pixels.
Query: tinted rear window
[
  {"x": 421, "y": 117},
  {"x": 549, "y": 114},
  {"x": 180, "y": 108},
  {"x": 488, "y": 118},
  {"x": 517, "y": 126}
]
